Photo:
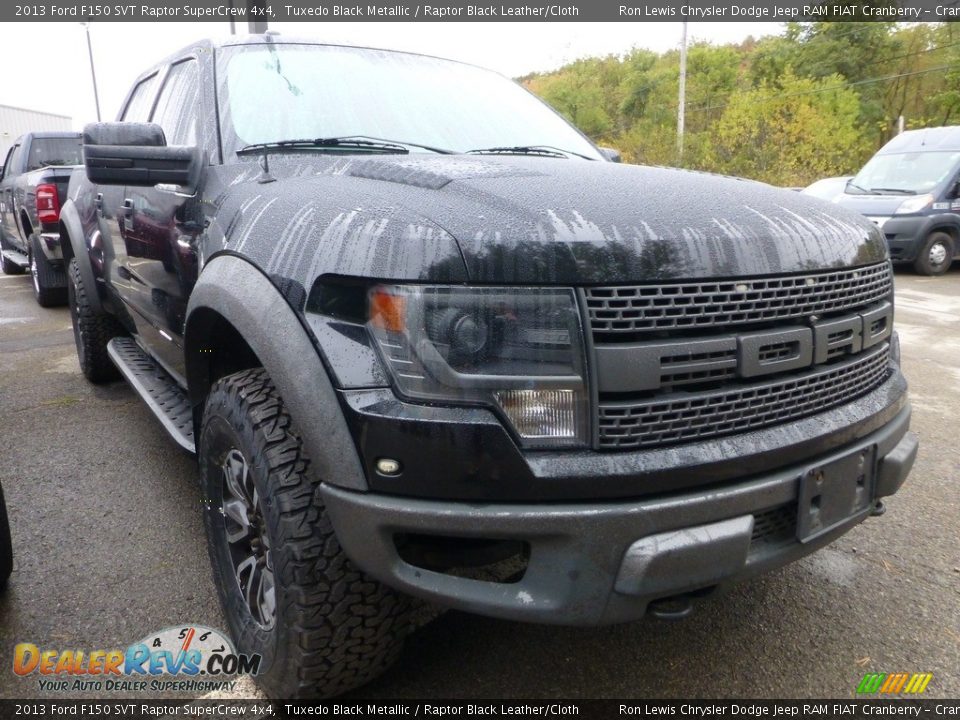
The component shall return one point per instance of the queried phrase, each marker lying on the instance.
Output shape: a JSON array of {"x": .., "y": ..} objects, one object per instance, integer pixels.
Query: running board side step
[
  {"x": 17, "y": 258},
  {"x": 167, "y": 400}
]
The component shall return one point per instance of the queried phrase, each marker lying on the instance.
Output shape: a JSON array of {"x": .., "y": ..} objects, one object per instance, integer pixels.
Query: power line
[
  {"x": 830, "y": 62},
  {"x": 829, "y": 88},
  {"x": 804, "y": 71}
]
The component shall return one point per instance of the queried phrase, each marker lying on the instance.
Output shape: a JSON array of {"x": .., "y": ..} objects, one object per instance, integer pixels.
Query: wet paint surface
[{"x": 520, "y": 220}]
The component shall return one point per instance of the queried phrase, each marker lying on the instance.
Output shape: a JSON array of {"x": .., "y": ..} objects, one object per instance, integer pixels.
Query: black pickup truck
[
  {"x": 428, "y": 342},
  {"x": 33, "y": 186}
]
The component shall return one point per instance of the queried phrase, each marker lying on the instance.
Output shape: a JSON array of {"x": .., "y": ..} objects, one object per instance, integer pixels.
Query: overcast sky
[{"x": 47, "y": 68}]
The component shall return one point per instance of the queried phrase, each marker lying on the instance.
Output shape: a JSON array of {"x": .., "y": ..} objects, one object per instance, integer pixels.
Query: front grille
[
  {"x": 617, "y": 311},
  {"x": 776, "y": 525},
  {"x": 681, "y": 417}
]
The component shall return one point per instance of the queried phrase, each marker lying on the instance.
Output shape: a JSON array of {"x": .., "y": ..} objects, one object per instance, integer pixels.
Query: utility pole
[
  {"x": 681, "y": 105},
  {"x": 93, "y": 72},
  {"x": 256, "y": 8}
]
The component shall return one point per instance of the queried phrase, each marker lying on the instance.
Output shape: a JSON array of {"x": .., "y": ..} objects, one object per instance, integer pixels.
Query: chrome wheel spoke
[
  {"x": 247, "y": 539},
  {"x": 239, "y": 529},
  {"x": 268, "y": 597},
  {"x": 235, "y": 475},
  {"x": 247, "y": 577}
]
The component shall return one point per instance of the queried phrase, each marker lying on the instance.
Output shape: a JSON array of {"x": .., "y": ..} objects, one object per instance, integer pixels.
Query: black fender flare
[
  {"x": 242, "y": 295},
  {"x": 70, "y": 221}
]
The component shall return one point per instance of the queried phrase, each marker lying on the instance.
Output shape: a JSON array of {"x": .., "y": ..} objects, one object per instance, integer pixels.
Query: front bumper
[{"x": 604, "y": 562}]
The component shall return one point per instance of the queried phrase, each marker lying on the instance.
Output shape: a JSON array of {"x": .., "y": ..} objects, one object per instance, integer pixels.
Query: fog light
[
  {"x": 549, "y": 417},
  {"x": 387, "y": 466}
]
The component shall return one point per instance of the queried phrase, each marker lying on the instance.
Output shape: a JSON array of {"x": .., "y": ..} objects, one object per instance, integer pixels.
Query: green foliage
[
  {"x": 792, "y": 134},
  {"x": 815, "y": 101}
]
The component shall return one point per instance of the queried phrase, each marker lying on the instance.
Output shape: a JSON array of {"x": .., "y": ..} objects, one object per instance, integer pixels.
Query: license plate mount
[{"x": 832, "y": 493}]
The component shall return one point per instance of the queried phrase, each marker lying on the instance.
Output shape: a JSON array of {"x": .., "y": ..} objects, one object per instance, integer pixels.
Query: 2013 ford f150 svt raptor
[{"x": 428, "y": 342}]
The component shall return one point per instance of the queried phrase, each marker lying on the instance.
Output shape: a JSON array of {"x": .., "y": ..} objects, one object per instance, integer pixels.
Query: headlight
[
  {"x": 519, "y": 350},
  {"x": 914, "y": 204}
]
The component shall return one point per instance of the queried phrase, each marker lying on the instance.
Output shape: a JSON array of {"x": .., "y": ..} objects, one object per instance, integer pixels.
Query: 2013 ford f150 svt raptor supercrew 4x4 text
[{"x": 428, "y": 342}]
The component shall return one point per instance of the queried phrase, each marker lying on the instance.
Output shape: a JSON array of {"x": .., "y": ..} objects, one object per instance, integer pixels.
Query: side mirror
[
  {"x": 136, "y": 154},
  {"x": 611, "y": 155}
]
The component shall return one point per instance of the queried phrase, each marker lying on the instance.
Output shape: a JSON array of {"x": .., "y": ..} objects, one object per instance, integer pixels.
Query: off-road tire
[
  {"x": 49, "y": 281},
  {"x": 92, "y": 330},
  {"x": 6, "y": 545},
  {"x": 334, "y": 628},
  {"x": 924, "y": 264}
]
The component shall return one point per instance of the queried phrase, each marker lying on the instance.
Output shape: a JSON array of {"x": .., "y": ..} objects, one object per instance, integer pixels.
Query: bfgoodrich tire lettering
[
  {"x": 332, "y": 627},
  {"x": 92, "y": 330}
]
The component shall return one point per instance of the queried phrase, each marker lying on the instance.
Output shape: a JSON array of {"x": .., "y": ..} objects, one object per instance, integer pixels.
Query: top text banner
[{"x": 267, "y": 11}]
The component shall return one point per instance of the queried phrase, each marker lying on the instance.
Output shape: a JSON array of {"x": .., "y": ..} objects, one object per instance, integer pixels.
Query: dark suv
[{"x": 428, "y": 342}]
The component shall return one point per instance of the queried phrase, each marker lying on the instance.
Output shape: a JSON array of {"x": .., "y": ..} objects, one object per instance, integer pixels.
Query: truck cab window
[
  {"x": 13, "y": 160},
  {"x": 55, "y": 151},
  {"x": 176, "y": 110},
  {"x": 138, "y": 107}
]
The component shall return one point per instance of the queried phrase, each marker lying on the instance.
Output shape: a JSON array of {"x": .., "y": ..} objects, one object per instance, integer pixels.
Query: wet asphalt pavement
[{"x": 109, "y": 547}]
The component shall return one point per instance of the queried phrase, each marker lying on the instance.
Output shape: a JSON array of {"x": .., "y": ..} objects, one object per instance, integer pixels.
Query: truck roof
[
  {"x": 930, "y": 139},
  {"x": 274, "y": 38},
  {"x": 50, "y": 134}
]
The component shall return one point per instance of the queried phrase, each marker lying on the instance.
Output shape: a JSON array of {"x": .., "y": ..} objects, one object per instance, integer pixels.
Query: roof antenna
[{"x": 265, "y": 176}]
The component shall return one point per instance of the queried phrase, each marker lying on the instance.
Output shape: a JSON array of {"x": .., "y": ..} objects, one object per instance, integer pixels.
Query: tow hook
[
  {"x": 878, "y": 509},
  {"x": 676, "y": 607}
]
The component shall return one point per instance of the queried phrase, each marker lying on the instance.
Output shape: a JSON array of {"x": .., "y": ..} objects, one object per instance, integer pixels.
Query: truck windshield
[
  {"x": 913, "y": 173},
  {"x": 55, "y": 151},
  {"x": 275, "y": 92}
]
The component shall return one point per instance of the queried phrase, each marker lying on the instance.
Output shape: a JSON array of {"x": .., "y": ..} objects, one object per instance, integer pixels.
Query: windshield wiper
[
  {"x": 323, "y": 143},
  {"x": 861, "y": 190},
  {"x": 430, "y": 148},
  {"x": 894, "y": 191},
  {"x": 541, "y": 150},
  {"x": 360, "y": 142}
]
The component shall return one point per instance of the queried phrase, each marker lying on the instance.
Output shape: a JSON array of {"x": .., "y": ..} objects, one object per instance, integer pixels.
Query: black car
[
  {"x": 427, "y": 341},
  {"x": 911, "y": 190},
  {"x": 6, "y": 544}
]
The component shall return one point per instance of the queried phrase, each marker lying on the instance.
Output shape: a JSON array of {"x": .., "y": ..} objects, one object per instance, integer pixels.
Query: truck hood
[
  {"x": 546, "y": 220},
  {"x": 871, "y": 205}
]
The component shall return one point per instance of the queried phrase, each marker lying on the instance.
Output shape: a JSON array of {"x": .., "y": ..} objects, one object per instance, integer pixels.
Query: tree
[
  {"x": 798, "y": 132},
  {"x": 816, "y": 100}
]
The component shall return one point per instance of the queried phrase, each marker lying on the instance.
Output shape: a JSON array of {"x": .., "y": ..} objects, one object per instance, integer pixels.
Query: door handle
[{"x": 127, "y": 208}]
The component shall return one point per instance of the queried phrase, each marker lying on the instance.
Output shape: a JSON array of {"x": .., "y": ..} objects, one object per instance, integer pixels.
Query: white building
[{"x": 15, "y": 121}]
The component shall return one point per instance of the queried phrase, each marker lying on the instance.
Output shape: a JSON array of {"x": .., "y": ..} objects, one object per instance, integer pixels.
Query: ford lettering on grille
[{"x": 653, "y": 365}]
